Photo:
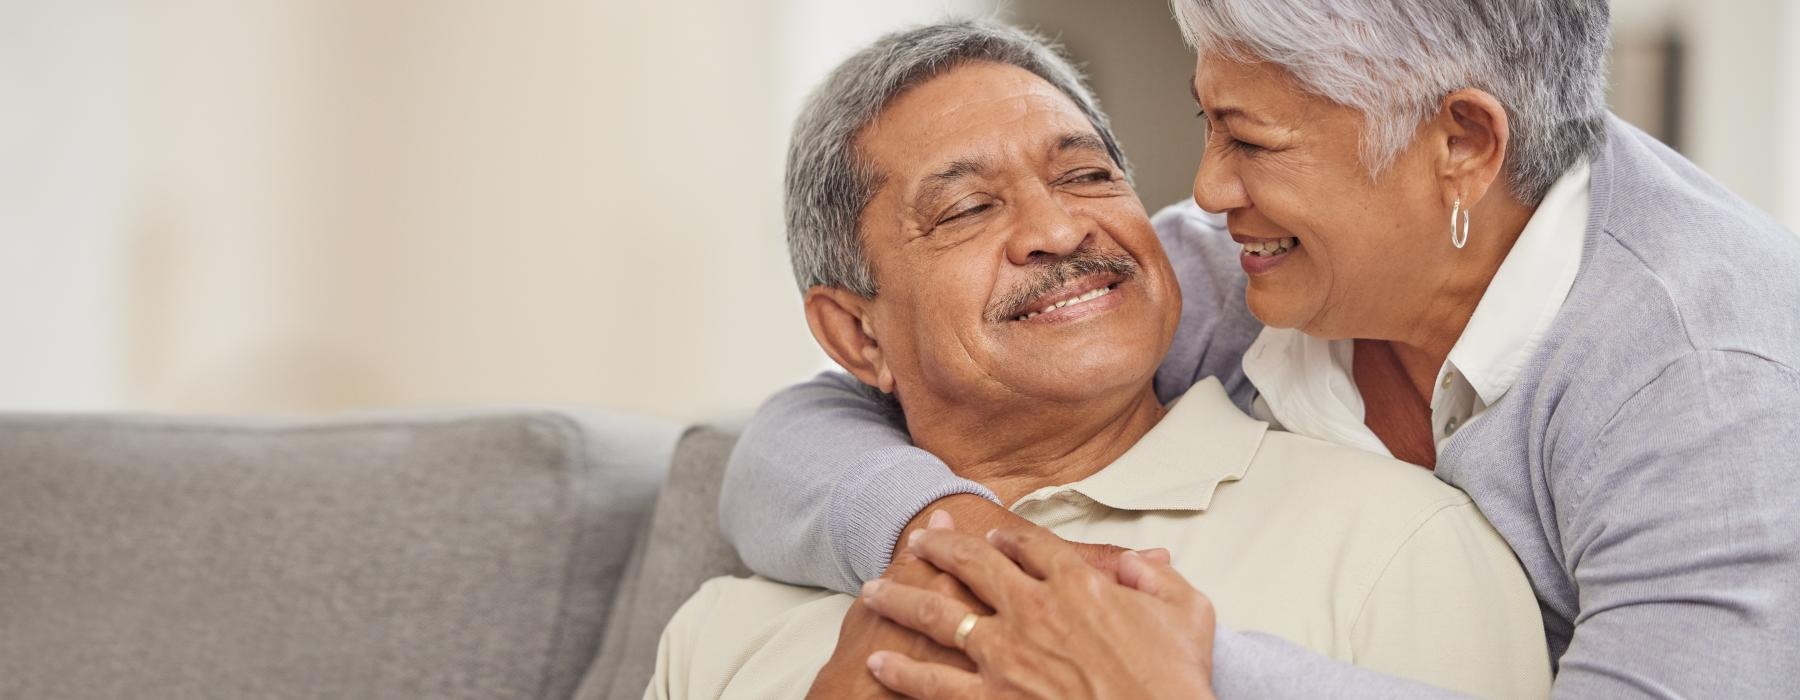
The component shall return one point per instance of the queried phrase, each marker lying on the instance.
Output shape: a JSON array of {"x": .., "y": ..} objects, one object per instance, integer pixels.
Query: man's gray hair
[
  {"x": 1395, "y": 61},
  {"x": 829, "y": 184}
]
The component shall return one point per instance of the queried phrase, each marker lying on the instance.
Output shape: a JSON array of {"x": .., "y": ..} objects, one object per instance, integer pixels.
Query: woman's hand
[{"x": 1060, "y": 628}]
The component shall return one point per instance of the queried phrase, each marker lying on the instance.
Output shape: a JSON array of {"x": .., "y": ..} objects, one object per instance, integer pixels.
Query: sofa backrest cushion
[
  {"x": 682, "y": 549},
  {"x": 467, "y": 555}
]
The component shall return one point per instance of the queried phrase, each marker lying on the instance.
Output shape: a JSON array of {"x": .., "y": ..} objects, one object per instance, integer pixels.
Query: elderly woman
[{"x": 1462, "y": 260}]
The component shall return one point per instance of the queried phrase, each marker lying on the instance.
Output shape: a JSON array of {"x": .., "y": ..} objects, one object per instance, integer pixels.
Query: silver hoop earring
[{"x": 1454, "y": 240}]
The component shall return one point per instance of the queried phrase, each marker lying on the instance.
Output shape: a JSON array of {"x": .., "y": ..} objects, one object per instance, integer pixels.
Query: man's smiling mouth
[
  {"x": 1068, "y": 301},
  {"x": 1080, "y": 278}
]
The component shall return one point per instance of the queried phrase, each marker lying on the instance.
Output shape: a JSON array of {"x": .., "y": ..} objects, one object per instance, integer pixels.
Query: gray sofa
[{"x": 493, "y": 554}]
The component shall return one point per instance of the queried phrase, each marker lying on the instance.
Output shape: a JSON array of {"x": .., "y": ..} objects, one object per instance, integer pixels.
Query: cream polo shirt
[
  {"x": 1306, "y": 385},
  {"x": 1356, "y": 556}
]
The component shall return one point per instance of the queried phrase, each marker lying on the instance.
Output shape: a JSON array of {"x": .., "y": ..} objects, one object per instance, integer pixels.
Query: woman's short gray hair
[
  {"x": 828, "y": 184},
  {"x": 1395, "y": 60}
]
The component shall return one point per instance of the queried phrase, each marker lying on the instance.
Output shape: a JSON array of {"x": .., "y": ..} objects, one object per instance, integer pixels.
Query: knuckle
[
  {"x": 1090, "y": 582},
  {"x": 925, "y": 613},
  {"x": 959, "y": 552},
  {"x": 1202, "y": 605},
  {"x": 929, "y": 684}
]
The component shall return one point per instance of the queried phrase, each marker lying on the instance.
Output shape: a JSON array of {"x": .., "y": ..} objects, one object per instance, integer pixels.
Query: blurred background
[{"x": 305, "y": 206}]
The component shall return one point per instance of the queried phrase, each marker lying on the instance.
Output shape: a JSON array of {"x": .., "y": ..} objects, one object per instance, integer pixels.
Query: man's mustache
[{"x": 1052, "y": 276}]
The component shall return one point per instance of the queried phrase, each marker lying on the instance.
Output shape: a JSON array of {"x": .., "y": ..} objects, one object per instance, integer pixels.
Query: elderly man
[{"x": 968, "y": 242}]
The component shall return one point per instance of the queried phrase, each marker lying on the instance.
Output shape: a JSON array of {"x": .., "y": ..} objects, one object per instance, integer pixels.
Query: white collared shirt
[
  {"x": 1305, "y": 383},
  {"x": 1358, "y": 557}
]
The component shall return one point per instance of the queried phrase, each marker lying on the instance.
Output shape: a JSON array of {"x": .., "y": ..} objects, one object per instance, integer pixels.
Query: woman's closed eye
[
  {"x": 1243, "y": 146},
  {"x": 1229, "y": 142}
]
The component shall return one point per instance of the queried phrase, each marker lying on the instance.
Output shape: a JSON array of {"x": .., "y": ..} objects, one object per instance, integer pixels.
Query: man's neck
[{"x": 1017, "y": 450}]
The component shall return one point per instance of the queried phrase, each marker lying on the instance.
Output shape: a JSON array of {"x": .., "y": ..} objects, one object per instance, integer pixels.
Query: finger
[
  {"x": 989, "y": 574},
  {"x": 1156, "y": 555},
  {"x": 1104, "y": 557},
  {"x": 1158, "y": 579},
  {"x": 918, "y": 679},
  {"x": 930, "y": 613},
  {"x": 1036, "y": 550},
  {"x": 940, "y": 520}
]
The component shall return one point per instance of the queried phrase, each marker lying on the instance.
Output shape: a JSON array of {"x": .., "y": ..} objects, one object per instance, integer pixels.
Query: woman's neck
[{"x": 1422, "y": 341}]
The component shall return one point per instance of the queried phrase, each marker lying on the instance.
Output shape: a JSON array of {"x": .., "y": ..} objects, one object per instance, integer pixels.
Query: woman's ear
[
  {"x": 1477, "y": 135},
  {"x": 840, "y": 320}
]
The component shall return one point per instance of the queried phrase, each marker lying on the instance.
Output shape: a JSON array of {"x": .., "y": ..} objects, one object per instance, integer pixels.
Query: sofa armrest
[{"x": 681, "y": 550}]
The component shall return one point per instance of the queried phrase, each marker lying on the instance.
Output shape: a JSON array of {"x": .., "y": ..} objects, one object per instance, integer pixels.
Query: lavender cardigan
[{"x": 1645, "y": 467}]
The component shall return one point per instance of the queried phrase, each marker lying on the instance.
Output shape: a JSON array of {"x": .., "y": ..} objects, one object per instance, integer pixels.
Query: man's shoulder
[
  {"x": 756, "y": 596},
  {"x": 1383, "y": 497},
  {"x": 751, "y": 637}
]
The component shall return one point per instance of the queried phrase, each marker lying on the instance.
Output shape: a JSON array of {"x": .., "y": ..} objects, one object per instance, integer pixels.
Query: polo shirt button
[
  {"x": 1450, "y": 428},
  {"x": 1447, "y": 379}
]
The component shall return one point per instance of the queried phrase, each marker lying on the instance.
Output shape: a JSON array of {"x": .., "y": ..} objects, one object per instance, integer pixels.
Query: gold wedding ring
[{"x": 963, "y": 630}]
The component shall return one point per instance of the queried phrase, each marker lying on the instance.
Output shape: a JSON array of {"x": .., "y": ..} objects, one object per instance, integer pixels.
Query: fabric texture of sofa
[{"x": 486, "y": 554}]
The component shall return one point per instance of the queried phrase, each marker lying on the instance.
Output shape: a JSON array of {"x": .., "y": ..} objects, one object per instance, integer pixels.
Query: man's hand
[
  {"x": 864, "y": 632},
  {"x": 975, "y": 515},
  {"x": 1060, "y": 628}
]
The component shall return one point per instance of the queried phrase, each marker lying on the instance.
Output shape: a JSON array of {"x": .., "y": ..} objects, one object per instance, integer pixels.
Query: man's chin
[{"x": 1073, "y": 377}]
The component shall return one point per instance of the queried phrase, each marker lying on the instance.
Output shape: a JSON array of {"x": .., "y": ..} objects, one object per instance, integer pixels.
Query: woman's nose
[{"x": 1217, "y": 187}]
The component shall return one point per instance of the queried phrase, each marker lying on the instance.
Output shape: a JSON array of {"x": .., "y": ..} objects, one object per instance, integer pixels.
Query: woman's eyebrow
[
  {"x": 1229, "y": 112},
  {"x": 1221, "y": 112}
]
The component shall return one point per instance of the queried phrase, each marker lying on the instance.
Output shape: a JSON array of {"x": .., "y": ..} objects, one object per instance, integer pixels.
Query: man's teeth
[
  {"x": 1096, "y": 294},
  {"x": 1266, "y": 248}
]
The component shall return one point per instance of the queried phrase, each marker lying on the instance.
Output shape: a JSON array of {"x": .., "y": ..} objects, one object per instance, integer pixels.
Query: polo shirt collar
[{"x": 1203, "y": 441}]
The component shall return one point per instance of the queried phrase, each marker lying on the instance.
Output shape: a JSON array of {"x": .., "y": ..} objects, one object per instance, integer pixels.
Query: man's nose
[{"x": 1046, "y": 231}]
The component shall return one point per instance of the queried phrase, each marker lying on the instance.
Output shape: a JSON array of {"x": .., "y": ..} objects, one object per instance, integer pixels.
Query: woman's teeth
[
  {"x": 1274, "y": 246},
  {"x": 1096, "y": 294}
]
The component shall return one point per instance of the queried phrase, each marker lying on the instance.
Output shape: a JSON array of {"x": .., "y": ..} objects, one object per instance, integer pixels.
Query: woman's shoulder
[
  {"x": 1675, "y": 266},
  {"x": 1676, "y": 259}
]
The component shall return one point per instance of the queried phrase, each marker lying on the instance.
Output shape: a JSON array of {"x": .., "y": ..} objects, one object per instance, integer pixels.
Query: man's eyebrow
[
  {"x": 933, "y": 186},
  {"x": 1082, "y": 142}
]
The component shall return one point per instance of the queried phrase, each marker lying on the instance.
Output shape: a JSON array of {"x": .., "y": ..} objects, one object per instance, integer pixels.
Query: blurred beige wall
[
  {"x": 319, "y": 205},
  {"x": 348, "y": 203}
]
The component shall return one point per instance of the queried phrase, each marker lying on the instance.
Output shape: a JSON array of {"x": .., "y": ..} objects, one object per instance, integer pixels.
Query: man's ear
[
  {"x": 1476, "y": 136},
  {"x": 839, "y": 319}
]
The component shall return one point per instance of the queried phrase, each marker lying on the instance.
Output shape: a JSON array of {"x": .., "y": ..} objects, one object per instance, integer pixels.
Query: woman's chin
[{"x": 1277, "y": 309}]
